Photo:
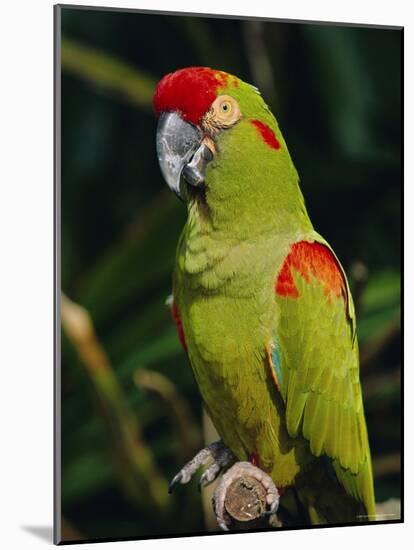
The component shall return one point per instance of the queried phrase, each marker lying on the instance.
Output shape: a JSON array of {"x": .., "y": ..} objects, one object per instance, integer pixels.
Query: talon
[
  {"x": 175, "y": 480},
  {"x": 274, "y": 505},
  {"x": 223, "y": 525},
  {"x": 210, "y": 475},
  {"x": 220, "y": 513},
  {"x": 217, "y": 452}
]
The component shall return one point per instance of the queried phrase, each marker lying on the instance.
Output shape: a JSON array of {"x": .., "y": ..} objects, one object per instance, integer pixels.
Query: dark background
[{"x": 131, "y": 412}]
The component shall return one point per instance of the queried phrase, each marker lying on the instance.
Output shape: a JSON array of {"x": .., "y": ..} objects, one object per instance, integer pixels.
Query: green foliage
[{"x": 336, "y": 93}]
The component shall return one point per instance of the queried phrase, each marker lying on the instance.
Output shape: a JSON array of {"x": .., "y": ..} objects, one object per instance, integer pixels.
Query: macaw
[{"x": 262, "y": 306}]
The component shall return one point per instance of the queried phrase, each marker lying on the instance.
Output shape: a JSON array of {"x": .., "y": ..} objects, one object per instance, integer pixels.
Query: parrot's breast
[{"x": 228, "y": 316}]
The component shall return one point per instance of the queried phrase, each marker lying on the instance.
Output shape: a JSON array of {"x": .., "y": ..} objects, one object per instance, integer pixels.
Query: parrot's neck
[
  {"x": 251, "y": 210},
  {"x": 216, "y": 248}
]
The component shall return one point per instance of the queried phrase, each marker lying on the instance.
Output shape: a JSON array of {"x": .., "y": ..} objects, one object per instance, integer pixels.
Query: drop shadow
[{"x": 44, "y": 532}]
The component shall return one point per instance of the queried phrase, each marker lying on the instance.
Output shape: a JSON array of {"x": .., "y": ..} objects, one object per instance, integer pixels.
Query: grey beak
[{"x": 177, "y": 141}]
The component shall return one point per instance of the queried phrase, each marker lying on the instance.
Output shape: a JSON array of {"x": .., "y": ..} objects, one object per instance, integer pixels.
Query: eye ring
[{"x": 225, "y": 111}]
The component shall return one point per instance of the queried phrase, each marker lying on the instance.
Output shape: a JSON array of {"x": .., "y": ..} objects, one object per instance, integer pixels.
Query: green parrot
[{"x": 262, "y": 307}]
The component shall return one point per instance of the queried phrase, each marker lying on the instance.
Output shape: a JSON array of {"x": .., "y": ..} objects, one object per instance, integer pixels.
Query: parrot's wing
[{"x": 315, "y": 363}]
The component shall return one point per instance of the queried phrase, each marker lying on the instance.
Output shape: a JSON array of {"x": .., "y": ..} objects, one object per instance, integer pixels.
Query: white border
[{"x": 26, "y": 207}]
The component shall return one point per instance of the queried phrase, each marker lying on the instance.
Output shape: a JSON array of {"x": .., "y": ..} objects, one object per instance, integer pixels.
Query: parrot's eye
[{"x": 224, "y": 112}]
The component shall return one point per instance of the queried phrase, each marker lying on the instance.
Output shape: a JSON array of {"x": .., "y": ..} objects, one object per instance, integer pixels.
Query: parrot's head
[{"x": 220, "y": 147}]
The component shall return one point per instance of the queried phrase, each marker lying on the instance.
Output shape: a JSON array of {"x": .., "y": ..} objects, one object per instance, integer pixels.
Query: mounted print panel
[{"x": 228, "y": 230}]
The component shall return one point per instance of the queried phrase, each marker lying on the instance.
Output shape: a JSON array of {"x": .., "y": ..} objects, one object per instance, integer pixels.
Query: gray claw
[
  {"x": 209, "y": 475},
  {"x": 176, "y": 479},
  {"x": 273, "y": 507},
  {"x": 216, "y": 452},
  {"x": 220, "y": 513},
  {"x": 223, "y": 525}
]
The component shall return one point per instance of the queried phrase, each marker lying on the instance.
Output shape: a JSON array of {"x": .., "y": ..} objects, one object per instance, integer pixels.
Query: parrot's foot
[
  {"x": 244, "y": 473},
  {"x": 216, "y": 452}
]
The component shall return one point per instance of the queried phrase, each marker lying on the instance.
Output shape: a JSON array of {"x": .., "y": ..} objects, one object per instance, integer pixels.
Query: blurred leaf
[
  {"x": 380, "y": 305},
  {"x": 107, "y": 72},
  {"x": 140, "y": 261},
  {"x": 382, "y": 290},
  {"x": 84, "y": 475},
  {"x": 165, "y": 346}
]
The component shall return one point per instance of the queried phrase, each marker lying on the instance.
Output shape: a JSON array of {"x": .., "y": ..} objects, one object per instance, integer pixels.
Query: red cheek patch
[{"x": 267, "y": 134}]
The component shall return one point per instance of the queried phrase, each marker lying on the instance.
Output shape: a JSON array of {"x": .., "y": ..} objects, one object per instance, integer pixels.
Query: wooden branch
[
  {"x": 246, "y": 505},
  {"x": 246, "y": 499}
]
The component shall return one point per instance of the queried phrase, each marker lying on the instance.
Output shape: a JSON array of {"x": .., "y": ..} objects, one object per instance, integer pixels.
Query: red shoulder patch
[
  {"x": 190, "y": 91},
  {"x": 310, "y": 259},
  {"x": 177, "y": 320},
  {"x": 267, "y": 134}
]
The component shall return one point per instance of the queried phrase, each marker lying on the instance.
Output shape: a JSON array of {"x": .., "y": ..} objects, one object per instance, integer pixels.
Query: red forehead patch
[{"x": 190, "y": 91}]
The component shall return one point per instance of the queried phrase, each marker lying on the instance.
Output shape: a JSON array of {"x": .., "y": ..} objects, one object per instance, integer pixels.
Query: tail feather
[{"x": 340, "y": 498}]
